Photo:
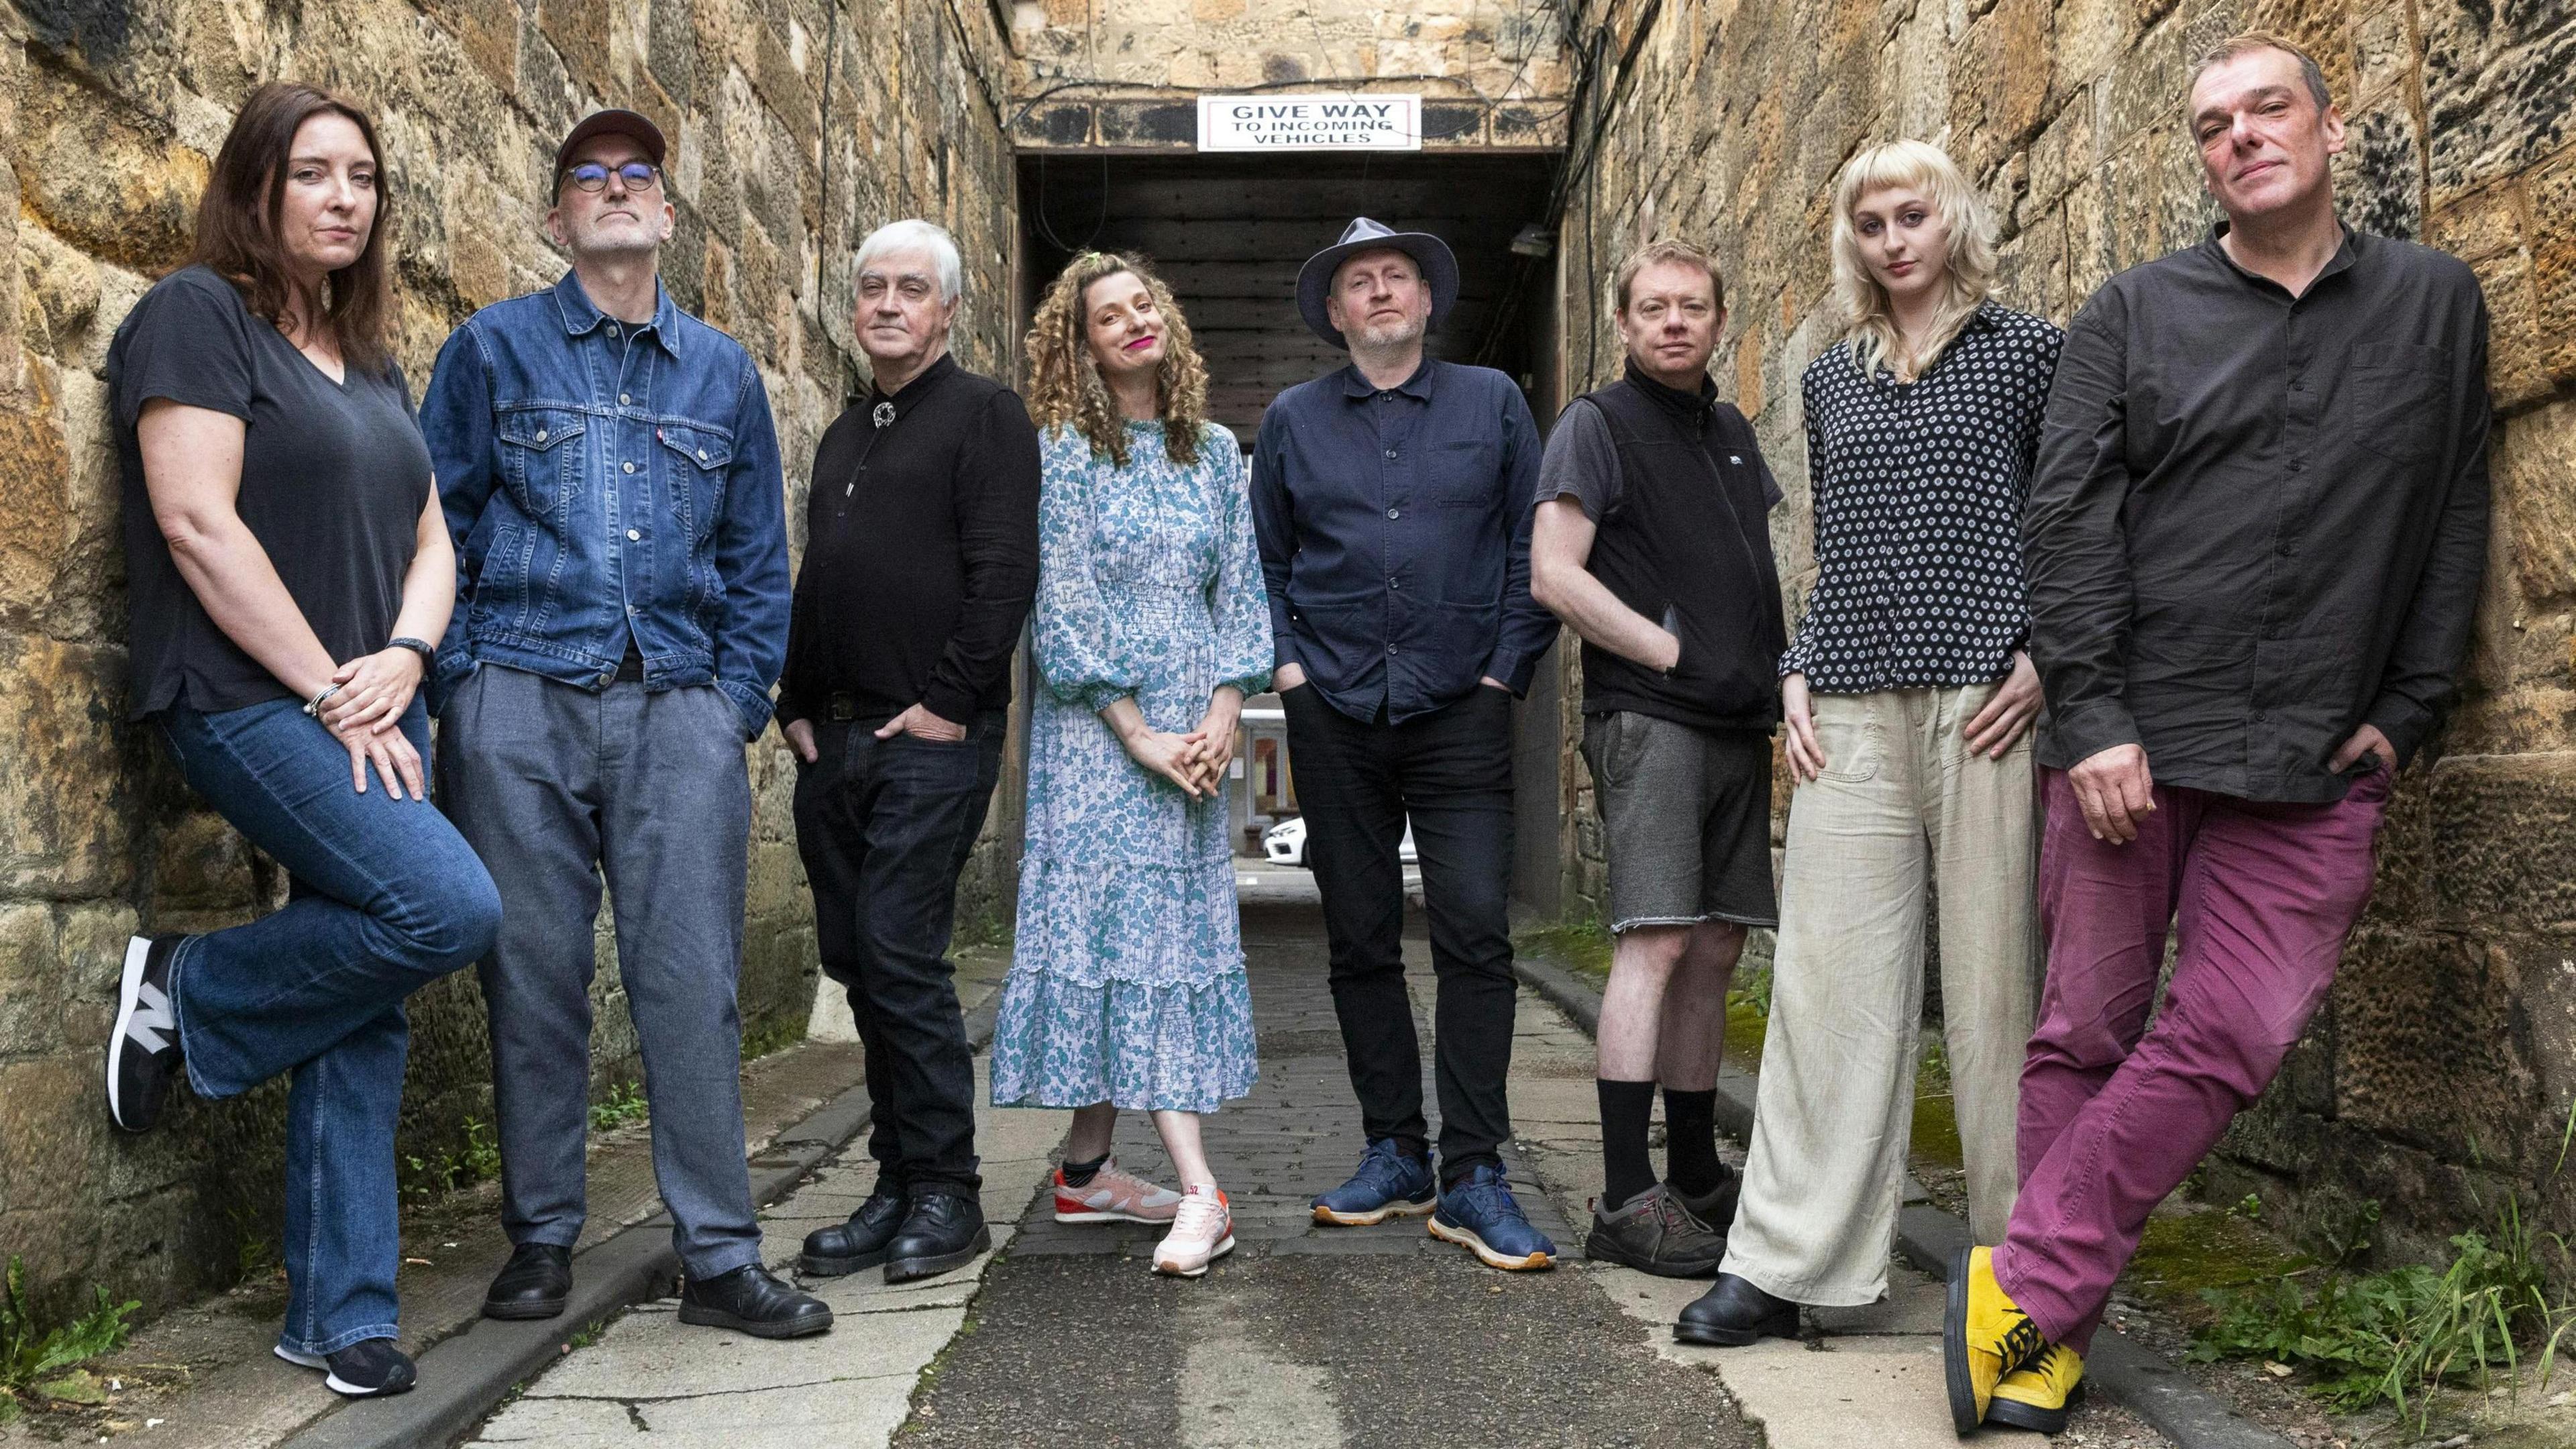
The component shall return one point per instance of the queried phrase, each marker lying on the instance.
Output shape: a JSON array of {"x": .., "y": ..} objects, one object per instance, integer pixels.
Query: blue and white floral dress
[{"x": 1127, "y": 980}]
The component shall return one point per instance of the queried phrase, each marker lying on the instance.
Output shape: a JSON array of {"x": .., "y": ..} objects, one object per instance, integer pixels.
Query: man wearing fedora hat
[
  {"x": 1392, "y": 500},
  {"x": 611, "y": 479}
]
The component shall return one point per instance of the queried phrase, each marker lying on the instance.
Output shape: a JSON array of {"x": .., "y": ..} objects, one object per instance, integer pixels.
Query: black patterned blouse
[{"x": 1918, "y": 493}]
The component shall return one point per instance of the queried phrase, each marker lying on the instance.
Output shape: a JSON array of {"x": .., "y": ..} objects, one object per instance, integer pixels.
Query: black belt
[{"x": 841, "y": 707}]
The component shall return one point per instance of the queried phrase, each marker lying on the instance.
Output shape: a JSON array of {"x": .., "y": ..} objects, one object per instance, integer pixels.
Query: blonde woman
[
  {"x": 1127, "y": 987},
  {"x": 1908, "y": 702}
]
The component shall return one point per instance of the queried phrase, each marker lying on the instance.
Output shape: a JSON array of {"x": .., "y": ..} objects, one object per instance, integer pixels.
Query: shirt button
[
  {"x": 633, "y": 536},
  {"x": 1395, "y": 513},
  {"x": 1394, "y": 584},
  {"x": 630, "y": 467},
  {"x": 1390, "y": 452},
  {"x": 623, "y": 398},
  {"x": 1390, "y": 649},
  {"x": 608, "y": 679},
  {"x": 630, "y": 611},
  {"x": 612, "y": 329},
  {"x": 2286, "y": 548}
]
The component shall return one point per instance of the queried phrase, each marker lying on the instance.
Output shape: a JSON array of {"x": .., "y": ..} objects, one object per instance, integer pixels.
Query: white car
[{"x": 1285, "y": 843}]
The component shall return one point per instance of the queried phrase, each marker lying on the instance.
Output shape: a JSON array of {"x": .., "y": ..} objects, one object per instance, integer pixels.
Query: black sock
[
  {"x": 1079, "y": 1174},
  {"x": 1627, "y": 1167},
  {"x": 1690, "y": 1142},
  {"x": 1413, "y": 1149}
]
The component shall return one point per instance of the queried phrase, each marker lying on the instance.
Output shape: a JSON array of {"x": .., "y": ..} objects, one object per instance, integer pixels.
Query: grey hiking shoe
[{"x": 1653, "y": 1233}]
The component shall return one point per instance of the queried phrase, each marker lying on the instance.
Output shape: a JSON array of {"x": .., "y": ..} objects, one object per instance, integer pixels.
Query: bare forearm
[
  {"x": 429, "y": 591},
  {"x": 233, "y": 578},
  {"x": 1592, "y": 611}
]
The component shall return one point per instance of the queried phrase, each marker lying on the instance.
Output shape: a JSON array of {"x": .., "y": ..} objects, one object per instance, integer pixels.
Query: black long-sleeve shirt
[
  {"x": 2259, "y": 522},
  {"x": 921, "y": 553}
]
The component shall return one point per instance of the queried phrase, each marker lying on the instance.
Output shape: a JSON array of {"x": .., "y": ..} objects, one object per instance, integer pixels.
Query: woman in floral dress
[{"x": 1127, "y": 987}]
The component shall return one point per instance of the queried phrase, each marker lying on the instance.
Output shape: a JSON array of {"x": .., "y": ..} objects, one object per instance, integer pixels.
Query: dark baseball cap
[{"x": 609, "y": 123}]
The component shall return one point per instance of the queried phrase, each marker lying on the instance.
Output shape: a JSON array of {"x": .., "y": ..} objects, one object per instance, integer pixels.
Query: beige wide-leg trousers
[{"x": 1901, "y": 798}]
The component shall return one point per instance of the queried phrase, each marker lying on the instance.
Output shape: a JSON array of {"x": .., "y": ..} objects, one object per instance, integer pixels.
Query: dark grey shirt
[
  {"x": 334, "y": 478},
  {"x": 2259, "y": 521}
]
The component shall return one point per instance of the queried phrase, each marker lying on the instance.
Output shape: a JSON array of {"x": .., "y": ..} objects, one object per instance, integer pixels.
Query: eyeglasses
[{"x": 591, "y": 176}]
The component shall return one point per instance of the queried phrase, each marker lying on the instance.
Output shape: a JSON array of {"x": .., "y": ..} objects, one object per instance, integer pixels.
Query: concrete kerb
[
  {"x": 465, "y": 1377},
  {"x": 2134, "y": 1377}
]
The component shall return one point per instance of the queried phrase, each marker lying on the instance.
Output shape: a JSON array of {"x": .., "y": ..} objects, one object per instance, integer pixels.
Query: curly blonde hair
[{"x": 1064, "y": 382}]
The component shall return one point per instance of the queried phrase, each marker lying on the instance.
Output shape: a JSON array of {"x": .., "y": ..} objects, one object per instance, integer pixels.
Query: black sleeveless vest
[{"x": 1687, "y": 546}]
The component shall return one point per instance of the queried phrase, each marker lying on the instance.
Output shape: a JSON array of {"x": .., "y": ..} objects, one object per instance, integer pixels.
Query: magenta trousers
[{"x": 2114, "y": 1116}]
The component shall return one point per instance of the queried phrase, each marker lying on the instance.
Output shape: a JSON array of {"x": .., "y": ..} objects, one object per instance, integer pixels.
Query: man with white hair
[
  {"x": 921, "y": 560},
  {"x": 610, "y": 475}
]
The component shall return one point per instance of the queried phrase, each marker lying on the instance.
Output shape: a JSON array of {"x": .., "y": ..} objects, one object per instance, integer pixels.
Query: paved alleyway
[{"x": 1303, "y": 1337}]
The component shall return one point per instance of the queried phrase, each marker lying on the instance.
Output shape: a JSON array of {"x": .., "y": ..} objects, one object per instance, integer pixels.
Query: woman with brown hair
[
  {"x": 289, "y": 565},
  {"x": 1127, "y": 987}
]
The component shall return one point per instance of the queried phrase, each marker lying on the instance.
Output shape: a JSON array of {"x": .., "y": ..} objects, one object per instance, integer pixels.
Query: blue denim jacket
[{"x": 599, "y": 477}]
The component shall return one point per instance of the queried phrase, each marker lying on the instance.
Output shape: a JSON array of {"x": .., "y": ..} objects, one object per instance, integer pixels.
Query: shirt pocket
[
  {"x": 1461, "y": 473},
  {"x": 700, "y": 459},
  {"x": 2399, "y": 397},
  {"x": 539, "y": 464}
]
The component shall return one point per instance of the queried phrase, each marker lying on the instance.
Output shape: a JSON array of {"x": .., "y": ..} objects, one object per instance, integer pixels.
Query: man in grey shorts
[{"x": 1650, "y": 542}]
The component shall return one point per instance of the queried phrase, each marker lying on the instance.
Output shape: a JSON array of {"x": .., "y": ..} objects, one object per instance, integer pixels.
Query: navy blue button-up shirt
[
  {"x": 606, "y": 480},
  {"x": 1395, "y": 536}
]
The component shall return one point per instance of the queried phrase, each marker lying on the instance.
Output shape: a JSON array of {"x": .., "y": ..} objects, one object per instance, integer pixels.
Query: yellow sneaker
[
  {"x": 2041, "y": 1394},
  {"x": 1984, "y": 1336}
]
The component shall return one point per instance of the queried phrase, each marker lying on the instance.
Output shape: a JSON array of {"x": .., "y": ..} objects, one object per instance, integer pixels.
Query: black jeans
[
  {"x": 885, "y": 826},
  {"x": 1451, "y": 771}
]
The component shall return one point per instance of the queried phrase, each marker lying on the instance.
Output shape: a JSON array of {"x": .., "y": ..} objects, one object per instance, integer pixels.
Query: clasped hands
[
  {"x": 365, "y": 715},
  {"x": 1197, "y": 760}
]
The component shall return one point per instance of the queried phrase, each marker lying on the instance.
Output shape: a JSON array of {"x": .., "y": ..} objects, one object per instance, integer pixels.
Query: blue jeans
[{"x": 385, "y": 898}]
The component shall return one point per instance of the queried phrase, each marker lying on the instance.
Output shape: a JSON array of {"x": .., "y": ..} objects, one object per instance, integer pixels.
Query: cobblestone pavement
[{"x": 1305, "y": 1336}]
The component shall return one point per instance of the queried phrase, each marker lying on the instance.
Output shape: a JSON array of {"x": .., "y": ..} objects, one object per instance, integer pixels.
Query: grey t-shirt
[
  {"x": 1582, "y": 463},
  {"x": 334, "y": 477}
]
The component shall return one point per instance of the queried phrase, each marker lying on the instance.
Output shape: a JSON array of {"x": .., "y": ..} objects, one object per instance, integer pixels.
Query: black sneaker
[
  {"x": 371, "y": 1369},
  {"x": 1653, "y": 1233},
  {"x": 143, "y": 1049},
  {"x": 752, "y": 1300}
]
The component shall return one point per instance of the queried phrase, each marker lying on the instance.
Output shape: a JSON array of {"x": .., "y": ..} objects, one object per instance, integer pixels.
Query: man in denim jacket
[{"x": 611, "y": 478}]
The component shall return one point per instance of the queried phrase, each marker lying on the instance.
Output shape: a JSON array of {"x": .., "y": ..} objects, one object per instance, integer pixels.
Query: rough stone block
[
  {"x": 2508, "y": 828},
  {"x": 2499, "y": 87},
  {"x": 2426, "y": 1051},
  {"x": 64, "y": 816},
  {"x": 2534, "y": 475},
  {"x": 103, "y": 176}
]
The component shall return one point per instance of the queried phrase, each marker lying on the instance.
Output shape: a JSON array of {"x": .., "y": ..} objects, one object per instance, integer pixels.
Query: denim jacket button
[
  {"x": 634, "y": 536},
  {"x": 541, "y": 435},
  {"x": 630, "y": 467},
  {"x": 702, "y": 455}
]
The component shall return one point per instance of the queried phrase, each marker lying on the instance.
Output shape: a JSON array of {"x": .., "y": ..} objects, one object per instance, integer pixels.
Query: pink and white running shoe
[
  {"x": 1114, "y": 1195},
  {"x": 1202, "y": 1232}
]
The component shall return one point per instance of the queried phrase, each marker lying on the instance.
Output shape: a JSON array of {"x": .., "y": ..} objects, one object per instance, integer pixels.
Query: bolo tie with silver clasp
[{"x": 880, "y": 418}]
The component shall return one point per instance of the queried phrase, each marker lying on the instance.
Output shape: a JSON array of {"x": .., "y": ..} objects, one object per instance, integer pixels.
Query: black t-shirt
[{"x": 333, "y": 480}]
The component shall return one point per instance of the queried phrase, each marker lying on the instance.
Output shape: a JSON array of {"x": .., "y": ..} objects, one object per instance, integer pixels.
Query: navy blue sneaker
[
  {"x": 1478, "y": 1214},
  {"x": 1388, "y": 1184}
]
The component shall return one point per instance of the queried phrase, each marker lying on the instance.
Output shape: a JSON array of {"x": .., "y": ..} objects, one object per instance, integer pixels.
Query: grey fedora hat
[{"x": 1439, "y": 268}]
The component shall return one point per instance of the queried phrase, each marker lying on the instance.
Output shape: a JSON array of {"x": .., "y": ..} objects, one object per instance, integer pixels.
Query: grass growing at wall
[
  {"x": 623, "y": 1106},
  {"x": 39, "y": 1364},
  {"x": 477, "y": 1160},
  {"x": 2395, "y": 1337}
]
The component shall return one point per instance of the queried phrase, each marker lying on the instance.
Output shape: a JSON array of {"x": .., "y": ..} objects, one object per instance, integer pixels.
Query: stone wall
[
  {"x": 2441, "y": 1074},
  {"x": 797, "y": 125}
]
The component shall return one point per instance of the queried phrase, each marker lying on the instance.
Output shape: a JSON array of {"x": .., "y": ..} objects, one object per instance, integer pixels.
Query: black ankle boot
[
  {"x": 1733, "y": 1313},
  {"x": 533, "y": 1284},
  {"x": 752, "y": 1300},
  {"x": 858, "y": 1243},
  {"x": 943, "y": 1231}
]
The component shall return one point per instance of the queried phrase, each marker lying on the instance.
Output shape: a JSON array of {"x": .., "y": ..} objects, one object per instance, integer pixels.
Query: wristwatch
[{"x": 428, "y": 652}]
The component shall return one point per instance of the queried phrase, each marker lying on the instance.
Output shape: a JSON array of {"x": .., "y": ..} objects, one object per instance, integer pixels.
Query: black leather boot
[
  {"x": 533, "y": 1284},
  {"x": 943, "y": 1231},
  {"x": 752, "y": 1300},
  {"x": 858, "y": 1243},
  {"x": 1733, "y": 1313}
]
